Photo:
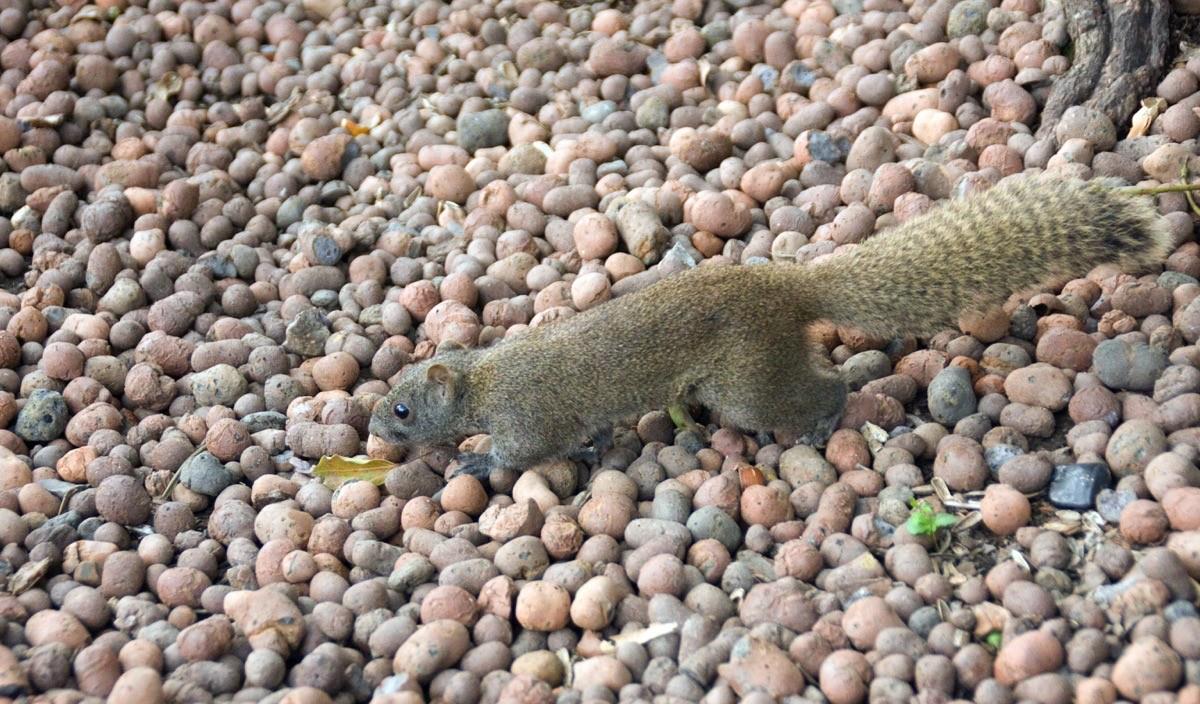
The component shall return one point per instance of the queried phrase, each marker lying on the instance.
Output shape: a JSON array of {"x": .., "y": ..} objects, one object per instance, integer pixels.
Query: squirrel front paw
[
  {"x": 821, "y": 431},
  {"x": 475, "y": 464}
]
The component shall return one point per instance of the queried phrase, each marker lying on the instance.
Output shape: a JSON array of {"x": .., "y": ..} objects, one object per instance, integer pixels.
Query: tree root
[{"x": 1120, "y": 47}]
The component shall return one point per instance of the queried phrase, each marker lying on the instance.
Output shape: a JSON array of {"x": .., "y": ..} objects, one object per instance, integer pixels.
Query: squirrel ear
[{"x": 443, "y": 376}]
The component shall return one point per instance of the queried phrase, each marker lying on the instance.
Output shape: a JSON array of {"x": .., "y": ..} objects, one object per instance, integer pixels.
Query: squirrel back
[{"x": 973, "y": 253}]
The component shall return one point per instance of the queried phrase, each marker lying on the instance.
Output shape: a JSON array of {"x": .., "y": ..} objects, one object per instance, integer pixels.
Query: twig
[{"x": 1155, "y": 190}]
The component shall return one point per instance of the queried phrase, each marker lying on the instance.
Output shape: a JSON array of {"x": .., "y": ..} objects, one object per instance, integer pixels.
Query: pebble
[
  {"x": 1110, "y": 504},
  {"x": 951, "y": 396},
  {"x": 653, "y": 114},
  {"x": 711, "y": 522},
  {"x": 483, "y": 129},
  {"x": 44, "y": 417},
  {"x": 1128, "y": 366},
  {"x": 306, "y": 335},
  {"x": 967, "y": 18},
  {"x": 205, "y": 474},
  {"x": 219, "y": 385},
  {"x": 1079, "y": 122},
  {"x": 598, "y": 111},
  {"x": 1076, "y": 486}
]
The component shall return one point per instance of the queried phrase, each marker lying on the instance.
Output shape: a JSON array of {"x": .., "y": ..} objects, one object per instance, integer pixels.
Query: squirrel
[{"x": 733, "y": 338}]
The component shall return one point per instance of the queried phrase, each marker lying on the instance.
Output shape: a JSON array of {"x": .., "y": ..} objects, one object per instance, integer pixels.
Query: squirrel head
[{"x": 427, "y": 404}]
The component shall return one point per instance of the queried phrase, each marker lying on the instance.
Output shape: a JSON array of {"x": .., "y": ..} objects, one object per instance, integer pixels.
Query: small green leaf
[
  {"x": 919, "y": 524},
  {"x": 994, "y": 639},
  {"x": 944, "y": 520}
]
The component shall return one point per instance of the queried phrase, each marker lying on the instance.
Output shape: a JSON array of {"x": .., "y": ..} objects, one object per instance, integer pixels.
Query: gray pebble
[
  {"x": 1079, "y": 122},
  {"x": 997, "y": 455},
  {"x": 12, "y": 196},
  {"x": 951, "y": 396},
  {"x": 264, "y": 420},
  {"x": 1172, "y": 280},
  {"x": 671, "y": 506},
  {"x": 479, "y": 130},
  {"x": 306, "y": 334},
  {"x": 290, "y": 212},
  {"x": 967, "y": 18},
  {"x": 864, "y": 367},
  {"x": 641, "y": 229},
  {"x": 43, "y": 418},
  {"x": 1128, "y": 366},
  {"x": 124, "y": 296},
  {"x": 1110, "y": 503},
  {"x": 1180, "y": 609},
  {"x": 712, "y": 522},
  {"x": 923, "y": 620},
  {"x": 1003, "y": 357},
  {"x": 205, "y": 474},
  {"x": 105, "y": 219},
  {"x": 324, "y": 298},
  {"x": 596, "y": 112},
  {"x": 642, "y": 530},
  {"x": 653, "y": 114},
  {"x": 219, "y": 385}
]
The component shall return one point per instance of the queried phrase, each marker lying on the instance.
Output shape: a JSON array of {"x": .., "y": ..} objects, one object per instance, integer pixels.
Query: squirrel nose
[{"x": 381, "y": 428}]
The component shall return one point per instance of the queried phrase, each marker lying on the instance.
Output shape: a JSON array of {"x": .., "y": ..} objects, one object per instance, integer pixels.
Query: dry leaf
[
  {"x": 1143, "y": 118},
  {"x": 412, "y": 197},
  {"x": 50, "y": 121},
  {"x": 355, "y": 129},
  {"x": 989, "y": 617},
  {"x": 167, "y": 86},
  {"x": 30, "y": 574},
  {"x": 750, "y": 476},
  {"x": 91, "y": 13},
  {"x": 875, "y": 436},
  {"x": 1019, "y": 558},
  {"x": 279, "y": 111},
  {"x": 564, "y": 656},
  {"x": 643, "y": 636},
  {"x": 940, "y": 489},
  {"x": 335, "y": 470}
]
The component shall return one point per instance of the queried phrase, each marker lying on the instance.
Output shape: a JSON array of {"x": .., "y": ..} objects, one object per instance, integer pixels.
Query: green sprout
[
  {"x": 923, "y": 520},
  {"x": 994, "y": 639}
]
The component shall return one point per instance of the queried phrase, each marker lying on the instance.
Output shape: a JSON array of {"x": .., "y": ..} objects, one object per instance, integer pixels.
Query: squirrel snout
[{"x": 382, "y": 428}]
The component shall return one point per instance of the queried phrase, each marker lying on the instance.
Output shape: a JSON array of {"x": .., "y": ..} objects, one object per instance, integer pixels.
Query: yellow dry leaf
[
  {"x": 355, "y": 129},
  {"x": 167, "y": 86},
  {"x": 1143, "y": 118},
  {"x": 335, "y": 470},
  {"x": 989, "y": 617}
]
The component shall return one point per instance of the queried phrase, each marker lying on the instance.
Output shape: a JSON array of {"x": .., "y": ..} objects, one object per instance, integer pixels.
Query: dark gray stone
[
  {"x": 1076, "y": 486},
  {"x": 483, "y": 129},
  {"x": 205, "y": 474}
]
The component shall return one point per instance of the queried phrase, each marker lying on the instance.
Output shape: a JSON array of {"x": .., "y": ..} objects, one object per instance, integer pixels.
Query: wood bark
[{"x": 1120, "y": 47}]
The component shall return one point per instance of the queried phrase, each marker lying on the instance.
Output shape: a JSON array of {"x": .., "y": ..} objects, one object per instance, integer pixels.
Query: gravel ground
[{"x": 225, "y": 226}]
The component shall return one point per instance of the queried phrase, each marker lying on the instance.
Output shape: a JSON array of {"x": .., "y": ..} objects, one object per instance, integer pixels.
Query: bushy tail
[{"x": 972, "y": 254}]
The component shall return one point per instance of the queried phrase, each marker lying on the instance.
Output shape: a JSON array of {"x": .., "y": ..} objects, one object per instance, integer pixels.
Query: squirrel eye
[{"x": 400, "y": 410}]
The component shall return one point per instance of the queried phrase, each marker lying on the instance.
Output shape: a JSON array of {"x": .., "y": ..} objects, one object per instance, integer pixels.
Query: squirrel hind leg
[
  {"x": 602, "y": 442},
  {"x": 795, "y": 398}
]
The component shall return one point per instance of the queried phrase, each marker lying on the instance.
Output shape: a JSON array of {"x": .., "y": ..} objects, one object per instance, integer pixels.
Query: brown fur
[{"x": 733, "y": 338}]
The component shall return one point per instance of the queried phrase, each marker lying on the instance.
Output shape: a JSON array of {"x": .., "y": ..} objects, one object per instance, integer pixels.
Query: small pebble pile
[{"x": 226, "y": 225}]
